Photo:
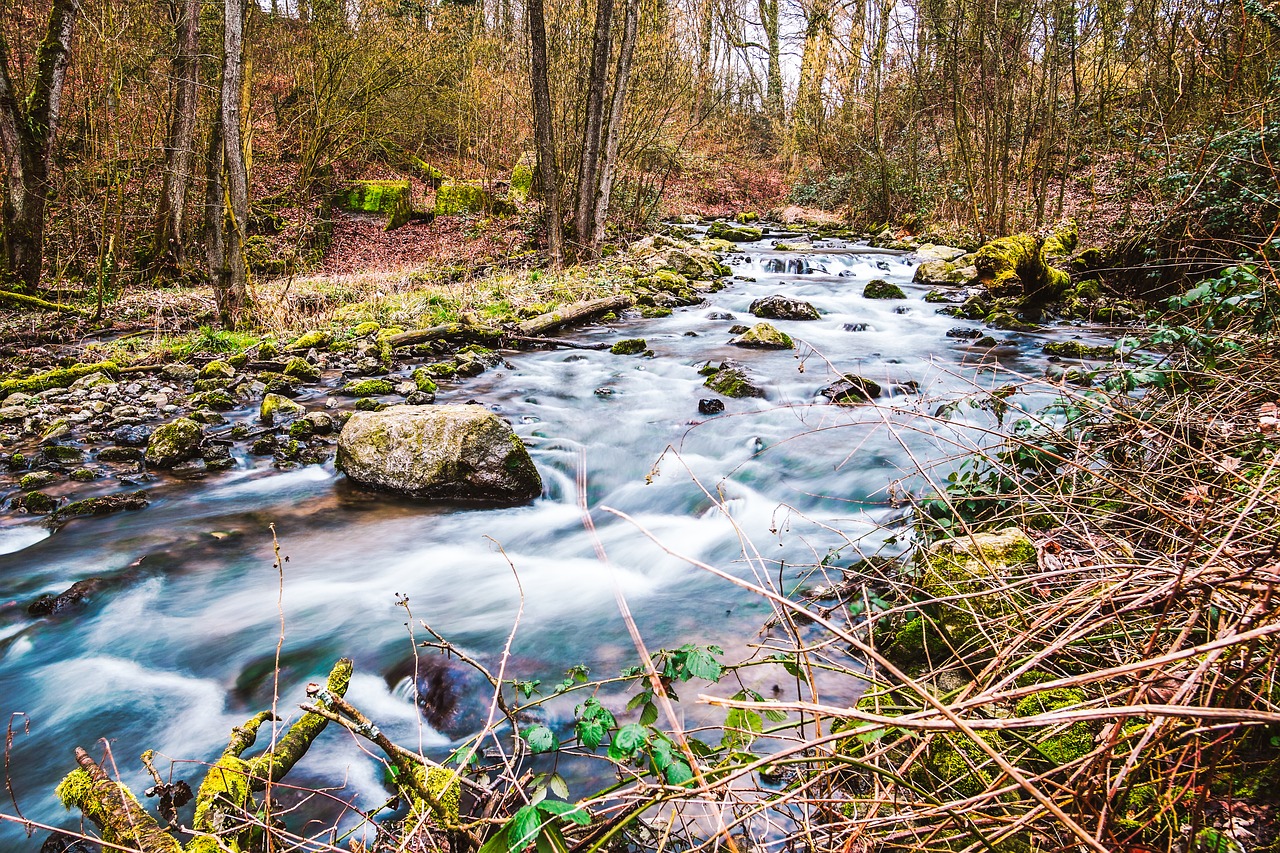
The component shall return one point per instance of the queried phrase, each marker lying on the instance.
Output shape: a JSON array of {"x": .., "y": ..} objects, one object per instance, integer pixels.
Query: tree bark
[
  {"x": 593, "y": 123},
  {"x": 773, "y": 44},
  {"x": 180, "y": 147},
  {"x": 228, "y": 194},
  {"x": 617, "y": 110},
  {"x": 544, "y": 130},
  {"x": 27, "y": 129},
  {"x": 570, "y": 314}
]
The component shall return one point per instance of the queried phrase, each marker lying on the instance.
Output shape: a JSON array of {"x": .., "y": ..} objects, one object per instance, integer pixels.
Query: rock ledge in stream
[{"x": 453, "y": 453}]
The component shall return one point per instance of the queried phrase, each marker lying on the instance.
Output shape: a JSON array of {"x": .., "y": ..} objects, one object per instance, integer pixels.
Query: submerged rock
[
  {"x": 453, "y": 452},
  {"x": 779, "y": 307},
  {"x": 851, "y": 389}
]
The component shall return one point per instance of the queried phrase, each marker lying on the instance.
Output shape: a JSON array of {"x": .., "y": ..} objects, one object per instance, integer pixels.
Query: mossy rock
[
  {"x": 119, "y": 454},
  {"x": 36, "y": 480},
  {"x": 851, "y": 389},
  {"x": 1057, "y": 746},
  {"x": 364, "y": 329},
  {"x": 277, "y": 410},
  {"x": 1008, "y": 322},
  {"x": 746, "y": 217},
  {"x": 173, "y": 443},
  {"x": 453, "y": 452},
  {"x": 36, "y": 503},
  {"x": 964, "y": 580},
  {"x": 740, "y": 234},
  {"x": 393, "y": 198},
  {"x": 1077, "y": 349},
  {"x": 764, "y": 336},
  {"x": 218, "y": 400},
  {"x": 630, "y": 346},
  {"x": 316, "y": 339},
  {"x": 878, "y": 288},
  {"x": 60, "y": 377},
  {"x": 454, "y": 198},
  {"x": 1021, "y": 265},
  {"x": 440, "y": 369},
  {"x": 217, "y": 369},
  {"x": 954, "y": 767},
  {"x": 779, "y": 307},
  {"x": 299, "y": 368},
  {"x": 423, "y": 380},
  {"x": 732, "y": 380}
]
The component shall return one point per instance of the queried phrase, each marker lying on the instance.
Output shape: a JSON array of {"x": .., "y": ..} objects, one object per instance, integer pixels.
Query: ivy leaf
[{"x": 540, "y": 739}]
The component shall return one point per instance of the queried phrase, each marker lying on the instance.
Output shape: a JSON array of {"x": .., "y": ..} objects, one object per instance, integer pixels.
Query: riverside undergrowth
[{"x": 1075, "y": 650}]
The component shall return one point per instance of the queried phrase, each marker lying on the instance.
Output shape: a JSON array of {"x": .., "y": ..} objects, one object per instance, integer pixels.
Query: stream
[{"x": 178, "y": 645}]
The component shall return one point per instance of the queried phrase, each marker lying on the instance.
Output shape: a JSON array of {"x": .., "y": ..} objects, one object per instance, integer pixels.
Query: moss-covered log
[
  {"x": 224, "y": 802},
  {"x": 1021, "y": 265},
  {"x": 59, "y": 377},
  {"x": 570, "y": 314},
  {"x": 35, "y": 302}
]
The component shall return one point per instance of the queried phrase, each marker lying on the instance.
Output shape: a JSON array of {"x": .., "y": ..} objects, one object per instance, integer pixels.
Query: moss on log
[{"x": 35, "y": 302}]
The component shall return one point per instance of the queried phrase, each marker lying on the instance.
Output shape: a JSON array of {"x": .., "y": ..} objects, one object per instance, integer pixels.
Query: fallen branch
[
  {"x": 36, "y": 302},
  {"x": 570, "y": 314},
  {"x": 438, "y": 333}
]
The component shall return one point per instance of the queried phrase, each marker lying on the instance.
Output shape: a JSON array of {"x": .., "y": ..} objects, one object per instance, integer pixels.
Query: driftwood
[{"x": 570, "y": 314}]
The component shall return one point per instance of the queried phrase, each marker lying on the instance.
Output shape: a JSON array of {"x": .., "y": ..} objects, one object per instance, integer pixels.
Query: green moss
[
  {"x": 368, "y": 404},
  {"x": 440, "y": 369},
  {"x": 1090, "y": 290},
  {"x": 732, "y": 381},
  {"x": 219, "y": 401},
  {"x": 741, "y": 234},
  {"x": 878, "y": 288},
  {"x": 298, "y": 367},
  {"x": 954, "y": 766},
  {"x": 1057, "y": 745},
  {"x": 746, "y": 217},
  {"x": 217, "y": 369},
  {"x": 422, "y": 379},
  {"x": 278, "y": 408},
  {"x": 317, "y": 339},
  {"x": 174, "y": 442},
  {"x": 521, "y": 186},
  {"x": 36, "y": 480},
  {"x": 366, "y": 328},
  {"x": 1076, "y": 349},
  {"x": 454, "y": 198},
  {"x": 764, "y": 336},
  {"x": 60, "y": 377},
  {"x": 394, "y": 198},
  {"x": 630, "y": 346},
  {"x": 1008, "y": 322},
  {"x": 83, "y": 475},
  {"x": 368, "y": 388},
  {"x": 651, "y": 312}
]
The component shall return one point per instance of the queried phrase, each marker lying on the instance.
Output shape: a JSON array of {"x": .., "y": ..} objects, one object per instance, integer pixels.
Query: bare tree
[
  {"x": 179, "y": 147},
  {"x": 617, "y": 110},
  {"x": 544, "y": 130},
  {"x": 227, "y": 199},
  {"x": 27, "y": 129}
]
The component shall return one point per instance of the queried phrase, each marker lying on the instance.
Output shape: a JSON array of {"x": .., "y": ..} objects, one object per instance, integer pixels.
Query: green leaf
[
  {"x": 626, "y": 741},
  {"x": 566, "y": 811},
  {"x": 678, "y": 773},
  {"x": 558, "y": 786},
  {"x": 648, "y": 714},
  {"x": 540, "y": 739},
  {"x": 523, "y": 828},
  {"x": 498, "y": 842},
  {"x": 590, "y": 732},
  {"x": 700, "y": 663}
]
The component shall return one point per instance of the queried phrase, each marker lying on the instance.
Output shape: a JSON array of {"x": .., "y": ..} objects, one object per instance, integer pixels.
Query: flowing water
[{"x": 177, "y": 646}]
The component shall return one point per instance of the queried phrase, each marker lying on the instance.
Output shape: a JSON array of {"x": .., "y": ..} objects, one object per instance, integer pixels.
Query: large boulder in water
[
  {"x": 779, "y": 307},
  {"x": 455, "y": 452}
]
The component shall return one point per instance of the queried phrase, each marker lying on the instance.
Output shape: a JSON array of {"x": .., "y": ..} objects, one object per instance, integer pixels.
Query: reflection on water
[{"x": 178, "y": 644}]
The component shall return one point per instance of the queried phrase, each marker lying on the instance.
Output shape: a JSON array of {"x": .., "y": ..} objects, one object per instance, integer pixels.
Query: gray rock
[
  {"x": 779, "y": 307},
  {"x": 453, "y": 452},
  {"x": 174, "y": 442}
]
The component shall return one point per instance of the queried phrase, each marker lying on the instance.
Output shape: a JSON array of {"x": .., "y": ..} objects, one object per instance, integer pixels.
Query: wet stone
[{"x": 710, "y": 406}]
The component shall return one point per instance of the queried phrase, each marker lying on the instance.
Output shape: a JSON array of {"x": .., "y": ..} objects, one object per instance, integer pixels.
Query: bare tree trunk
[
  {"x": 180, "y": 147},
  {"x": 773, "y": 43},
  {"x": 27, "y": 129},
  {"x": 593, "y": 123},
  {"x": 706, "y": 29},
  {"x": 544, "y": 130},
  {"x": 227, "y": 192},
  {"x": 617, "y": 110}
]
